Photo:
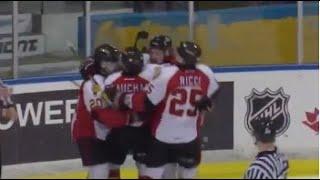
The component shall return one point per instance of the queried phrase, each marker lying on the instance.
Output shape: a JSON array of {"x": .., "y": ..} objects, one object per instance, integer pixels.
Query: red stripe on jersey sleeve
[{"x": 83, "y": 124}]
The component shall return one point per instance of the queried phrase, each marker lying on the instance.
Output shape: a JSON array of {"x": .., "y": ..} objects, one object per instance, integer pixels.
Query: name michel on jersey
[{"x": 131, "y": 87}]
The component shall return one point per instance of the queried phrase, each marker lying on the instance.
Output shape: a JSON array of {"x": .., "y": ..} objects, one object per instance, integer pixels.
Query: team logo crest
[{"x": 271, "y": 104}]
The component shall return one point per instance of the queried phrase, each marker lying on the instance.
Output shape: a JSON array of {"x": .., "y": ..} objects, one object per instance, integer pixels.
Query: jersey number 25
[{"x": 182, "y": 97}]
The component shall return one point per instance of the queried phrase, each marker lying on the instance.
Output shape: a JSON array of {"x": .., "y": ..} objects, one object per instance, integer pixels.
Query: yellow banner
[{"x": 240, "y": 43}]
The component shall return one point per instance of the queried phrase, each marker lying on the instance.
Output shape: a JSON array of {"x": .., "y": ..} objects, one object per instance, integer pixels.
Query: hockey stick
[
  {"x": 140, "y": 35},
  {"x": 73, "y": 50}
]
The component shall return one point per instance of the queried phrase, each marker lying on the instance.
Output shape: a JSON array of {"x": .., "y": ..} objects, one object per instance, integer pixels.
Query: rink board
[{"x": 45, "y": 107}]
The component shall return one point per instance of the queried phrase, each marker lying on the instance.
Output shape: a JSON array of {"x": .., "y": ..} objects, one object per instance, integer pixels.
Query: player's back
[
  {"x": 176, "y": 92},
  {"x": 133, "y": 84}
]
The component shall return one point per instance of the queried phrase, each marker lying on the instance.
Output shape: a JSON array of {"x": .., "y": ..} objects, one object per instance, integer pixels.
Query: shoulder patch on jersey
[
  {"x": 157, "y": 72},
  {"x": 97, "y": 84},
  {"x": 96, "y": 88},
  {"x": 149, "y": 71},
  {"x": 165, "y": 72}
]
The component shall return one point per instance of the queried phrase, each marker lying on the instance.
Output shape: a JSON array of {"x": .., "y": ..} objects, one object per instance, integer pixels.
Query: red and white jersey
[
  {"x": 175, "y": 93},
  {"x": 131, "y": 85},
  {"x": 83, "y": 125}
]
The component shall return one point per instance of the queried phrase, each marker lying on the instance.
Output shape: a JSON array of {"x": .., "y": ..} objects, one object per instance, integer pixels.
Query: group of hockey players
[
  {"x": 152, "y": 108},
  {"x": 150, "y": 105}
]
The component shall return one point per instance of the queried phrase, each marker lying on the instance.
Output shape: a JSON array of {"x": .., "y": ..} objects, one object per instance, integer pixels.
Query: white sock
[
  {"x": 100, "y": 171},
  {"x": 187, "y": 173},
  {"x": 170, "y": 171},
  {"x": 154, "y": 173}
]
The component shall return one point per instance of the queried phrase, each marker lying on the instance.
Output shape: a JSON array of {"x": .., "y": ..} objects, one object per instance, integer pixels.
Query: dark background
[{"x": 217, "y": 133}]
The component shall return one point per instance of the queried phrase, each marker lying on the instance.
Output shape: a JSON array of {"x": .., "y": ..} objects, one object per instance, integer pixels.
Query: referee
[
  {"x": 7, "y": 109},
  {"x": 269, "y": 163}
]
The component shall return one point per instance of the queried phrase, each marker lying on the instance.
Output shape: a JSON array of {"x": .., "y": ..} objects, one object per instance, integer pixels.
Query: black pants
[
  {"x": 187, "y": 155},
  {"x": 92, "y": 151},
  {"x": 125, "y": 140}
]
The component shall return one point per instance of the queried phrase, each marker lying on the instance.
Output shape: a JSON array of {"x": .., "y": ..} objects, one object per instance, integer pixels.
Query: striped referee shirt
[{"x": 268, "y": 165}]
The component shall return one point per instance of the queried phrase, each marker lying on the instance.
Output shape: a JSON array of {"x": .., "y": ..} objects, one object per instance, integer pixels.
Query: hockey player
[
  {"x": 161, "y": 52},
  {"x": 135, "y": 136},
  {"x": 7, "y": 109},
  {"x": 89, "y": 130},
  {"x": 178, "y": 96}
]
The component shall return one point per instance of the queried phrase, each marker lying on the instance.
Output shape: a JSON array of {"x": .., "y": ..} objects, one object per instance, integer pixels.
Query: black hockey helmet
[
  {"x": 106, "y": 59},
  {"x": 161, "y": 42},
  {"x": 87, "y": 69},
  {"x": 132, "y": 61},
  {"x": 264, "y": 130},
  {"x": 190, "y": 53}
]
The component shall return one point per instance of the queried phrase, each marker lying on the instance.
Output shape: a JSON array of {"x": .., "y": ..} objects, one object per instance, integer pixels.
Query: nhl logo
[{"x": 272, "y": 104}]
